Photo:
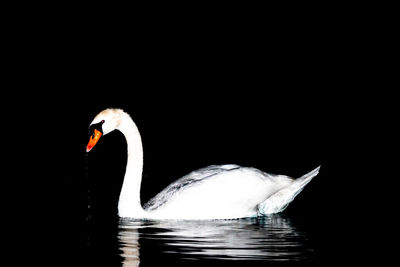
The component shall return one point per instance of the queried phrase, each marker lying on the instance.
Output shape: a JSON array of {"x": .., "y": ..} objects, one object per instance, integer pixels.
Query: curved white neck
[{"x": 129, "y": 200}]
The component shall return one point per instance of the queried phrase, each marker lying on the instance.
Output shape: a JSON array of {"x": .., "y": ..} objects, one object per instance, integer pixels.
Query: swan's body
[{"x": 214, "y": 192}]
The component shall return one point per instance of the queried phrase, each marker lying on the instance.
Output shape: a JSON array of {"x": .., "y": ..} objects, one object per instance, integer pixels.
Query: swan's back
[
  {"x": 191, "y": 179},
  {"x": 213, "y": 192}
]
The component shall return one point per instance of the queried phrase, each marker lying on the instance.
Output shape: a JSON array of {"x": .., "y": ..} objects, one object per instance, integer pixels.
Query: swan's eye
[{"x": 95, "y": 126}]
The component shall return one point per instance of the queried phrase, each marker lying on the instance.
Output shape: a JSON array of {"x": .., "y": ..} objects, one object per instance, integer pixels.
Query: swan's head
[{"x": 105, "y": 122}]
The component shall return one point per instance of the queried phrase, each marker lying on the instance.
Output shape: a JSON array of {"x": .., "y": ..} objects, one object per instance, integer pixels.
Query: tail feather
[
  {"x": 306, "y": 178},
  {"x": 281, "y": 199}
]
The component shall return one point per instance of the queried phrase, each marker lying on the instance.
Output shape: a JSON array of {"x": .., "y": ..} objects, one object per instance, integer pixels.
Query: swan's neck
[{"x": 129, "y": 200}]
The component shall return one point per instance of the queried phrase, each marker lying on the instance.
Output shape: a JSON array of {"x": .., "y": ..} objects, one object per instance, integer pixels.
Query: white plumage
[{"x": 213, "y": 192}]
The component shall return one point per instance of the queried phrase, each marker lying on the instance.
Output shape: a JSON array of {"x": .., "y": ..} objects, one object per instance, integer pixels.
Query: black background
[{"x": 283, "y": 97}]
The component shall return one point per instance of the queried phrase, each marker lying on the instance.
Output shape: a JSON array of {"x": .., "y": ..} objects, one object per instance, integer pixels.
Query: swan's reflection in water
[{"x": 270, "y": 238}]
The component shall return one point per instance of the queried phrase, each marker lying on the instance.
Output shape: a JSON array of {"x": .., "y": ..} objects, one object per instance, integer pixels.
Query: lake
[{"x": 242, "y": 242}]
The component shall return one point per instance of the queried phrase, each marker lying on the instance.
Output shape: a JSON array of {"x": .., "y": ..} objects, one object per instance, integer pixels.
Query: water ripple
[{"x": 271, "y": 238}]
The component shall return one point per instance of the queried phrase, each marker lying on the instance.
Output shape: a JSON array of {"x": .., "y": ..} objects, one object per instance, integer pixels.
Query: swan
[{"x": 214, "y": 192}]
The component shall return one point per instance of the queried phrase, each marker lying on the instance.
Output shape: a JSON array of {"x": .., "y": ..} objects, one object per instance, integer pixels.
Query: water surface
[{"x": 269, "y": 239}]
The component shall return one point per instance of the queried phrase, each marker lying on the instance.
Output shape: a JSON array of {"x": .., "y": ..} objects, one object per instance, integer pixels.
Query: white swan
[{"x": 213, "y": 192}]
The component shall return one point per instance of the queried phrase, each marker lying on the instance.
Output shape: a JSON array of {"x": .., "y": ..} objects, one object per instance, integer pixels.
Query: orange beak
[{"x": 93, "y": 140}]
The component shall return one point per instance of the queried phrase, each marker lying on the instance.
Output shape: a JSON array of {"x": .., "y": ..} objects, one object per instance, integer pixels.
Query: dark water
[
  {"x": 258, "y": 239},
  {"x": 243, "y": 242}
]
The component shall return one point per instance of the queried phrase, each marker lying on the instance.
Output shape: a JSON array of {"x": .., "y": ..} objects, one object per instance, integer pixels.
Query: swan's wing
[{"x": 185, "y": 182}]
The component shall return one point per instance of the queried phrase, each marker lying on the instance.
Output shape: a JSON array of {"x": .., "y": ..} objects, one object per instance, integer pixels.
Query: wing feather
[{"x": 185, "y": 182}]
